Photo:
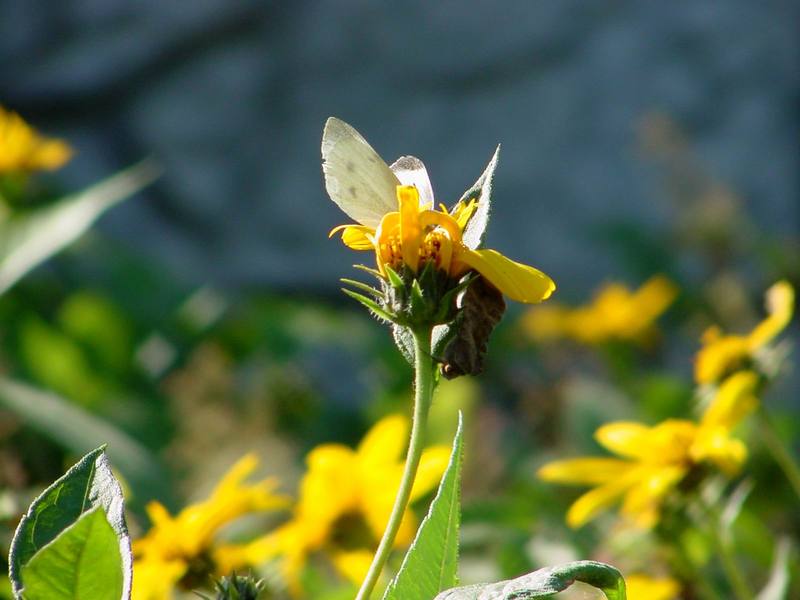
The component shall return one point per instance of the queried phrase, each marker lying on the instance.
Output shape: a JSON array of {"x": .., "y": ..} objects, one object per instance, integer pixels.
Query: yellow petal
[
  {"x": 715, "y": 445},
  {"x": 357, "y": 237},
  {"x": 385, "y": 442},
  {"x": 588, "y": 471},
  {"x": 719, "y": 355},
  {"x": 595, "y": 501},
  {"x": 353, "y": 564},
  {"x": 643, "y": 501},
  {"x": 643, "y": 587},
  {"x": 623, "y": 437},
  {"x": 517, "y": 281},
  {"x": 432, "y": 466},
  {"x": 780, "y": 306},
  {"x": 155, "y": 579},
  {"x": 734, "y": 400},
  {"x": 410, "y": 229}
]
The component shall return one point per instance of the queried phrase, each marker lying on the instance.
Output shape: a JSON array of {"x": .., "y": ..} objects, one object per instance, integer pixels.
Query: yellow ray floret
[
  {"x": 615, "y": 313},
  {"x": 722, "y": 353},
  {"x": 23, "y": 149}
]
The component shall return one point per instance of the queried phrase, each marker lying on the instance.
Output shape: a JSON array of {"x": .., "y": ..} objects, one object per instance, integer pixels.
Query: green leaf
[
  {"x": 482, "y": 192},
  {"x": 86, "y": 486},
  {"x": 80, "y": 431},
  {"x": 431, "y": 564},
  {"x": 544, "y": 583},
  {"x": 28, "y": 239},
  {"x": 777, "y": 585},
  {"x": 83, "y": 563}
]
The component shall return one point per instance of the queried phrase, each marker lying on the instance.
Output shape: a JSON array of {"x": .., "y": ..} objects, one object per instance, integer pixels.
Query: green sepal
[
  {"x": 546, "y": 582},
  {"x": 362, "y": 286},
  {"x": 394, "y": 278},
  {"x": 374, "y": 272},
  {"x": 370, "y": 304},
  {"x": 404, "y": 340}
]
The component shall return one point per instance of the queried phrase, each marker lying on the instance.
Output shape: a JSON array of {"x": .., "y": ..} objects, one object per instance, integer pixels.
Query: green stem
[
  {"x": 780, "y": 453},
  {"x": 741, "y": 589},
  {"x": 423, "y": 366}
]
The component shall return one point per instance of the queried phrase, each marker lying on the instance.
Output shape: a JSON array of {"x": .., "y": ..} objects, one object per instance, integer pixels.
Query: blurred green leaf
[
  {"x": 432, "y": 561},
  {"x": 80, "y": 431},
  {"x": 59, "y": 363},
  {"x": 545, "y": 582},
  {"x": 777, "y": 586},
  {"x": 28, "y": 239},
  {"x": 88, "y": 485},
  {"x": 84, "y": 561}
]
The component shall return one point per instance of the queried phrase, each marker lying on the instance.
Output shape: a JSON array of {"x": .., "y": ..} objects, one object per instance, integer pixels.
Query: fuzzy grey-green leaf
[
  {"x": 544, "y": 583},
  {"x": 89, "y": 484},
  {"x": 431, "y": 564},
  {"x": 482, "y": 192},
  {"x": 82, "y": 563}
]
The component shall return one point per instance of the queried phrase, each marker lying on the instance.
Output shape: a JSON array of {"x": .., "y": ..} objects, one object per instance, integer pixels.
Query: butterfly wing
[
  {"x": 356, "y": 178},
  {"x": 410, "y": 171}
]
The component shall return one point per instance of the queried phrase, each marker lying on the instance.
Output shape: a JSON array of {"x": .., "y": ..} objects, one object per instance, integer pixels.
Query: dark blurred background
[{"x": 231, "y": 95}]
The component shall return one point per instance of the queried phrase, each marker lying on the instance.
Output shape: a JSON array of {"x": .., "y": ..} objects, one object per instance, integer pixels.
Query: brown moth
[{"x": 481, "y": 308}]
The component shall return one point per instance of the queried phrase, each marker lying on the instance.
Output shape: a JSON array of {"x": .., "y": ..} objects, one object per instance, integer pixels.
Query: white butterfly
[{"x": 360, "y": 182}]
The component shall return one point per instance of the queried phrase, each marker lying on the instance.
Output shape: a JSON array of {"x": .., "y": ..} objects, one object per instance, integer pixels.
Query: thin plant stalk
[
  {"x": 423, "y": 367},
  {"x": 733, "y": 573},
  {"x": 777, "y": 448}
]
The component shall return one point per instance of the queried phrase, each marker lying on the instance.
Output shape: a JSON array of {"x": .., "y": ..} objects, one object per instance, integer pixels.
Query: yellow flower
[
  {"x": 721, "y": 354},
  {"x": 643, "y": 587},
  {"x": 23, "y": 149},
  {"x": 395, "y": 219},
  {"x": 655, "y": 459},
  {"x": 182, "y": 551},
  {"x": 345, "y": 500},
  {"x": 615, "y": 313}
]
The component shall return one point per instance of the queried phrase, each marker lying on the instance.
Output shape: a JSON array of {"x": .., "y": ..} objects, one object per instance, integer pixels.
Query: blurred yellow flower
[
  {"x": 643, "y": 587},
  {"x": 345, "y": 500},
  {"x": 23, "y": 149},
  {"x": 655, "y": 459},
  {"x": 720, "y": 354},
  {"x": 615, "y": 313},
  {"x": 183, "y": 551}
]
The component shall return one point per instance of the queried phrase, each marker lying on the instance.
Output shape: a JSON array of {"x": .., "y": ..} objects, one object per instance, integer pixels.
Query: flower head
[
  {"x": 396, "y": 220},
  {"x": 182, "y": 551},
  {"x": 644, "y": 587},
  {"x": 23, "y": 149},
  {"x": 721, "y": 354},
  {"x": 345, "y": 500},
  {"x": 653, "y": 460},
  {"x": 615, "y": 313}
]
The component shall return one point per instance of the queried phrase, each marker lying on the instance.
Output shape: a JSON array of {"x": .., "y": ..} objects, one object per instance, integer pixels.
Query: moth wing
[
  {"x": 410, "y": 171},
  {"x": 356, "y": 178}
]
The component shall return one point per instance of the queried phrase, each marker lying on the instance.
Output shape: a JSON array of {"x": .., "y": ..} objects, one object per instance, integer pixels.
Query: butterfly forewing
[{"x": 356, "y": 178}]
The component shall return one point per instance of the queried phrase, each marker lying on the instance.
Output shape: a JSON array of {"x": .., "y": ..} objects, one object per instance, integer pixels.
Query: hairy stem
[{"x": 423, "y": 366}]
